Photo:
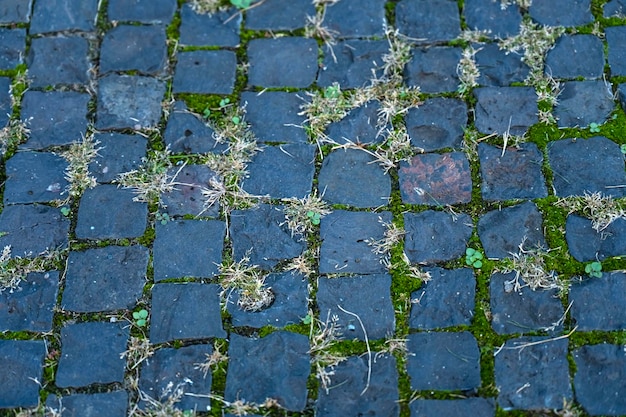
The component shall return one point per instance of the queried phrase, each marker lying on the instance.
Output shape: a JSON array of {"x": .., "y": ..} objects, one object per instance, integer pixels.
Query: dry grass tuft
[
  {"x": 151, "y": 179},
  {"x": 305, "y": 263},
  {"x": 15, "y": 133},
  {"x": 391, "y": 237},
  {"x": 209, "y": 7},
  {"x": 530, "y": 271},
  {"x": 323, "y": 335},
  {"x": 249, "y": 281},
  {"x": 79, "y": 156},
  {"x": 213, "y": 359},
  {"x": 600, "y": 209},
  {"x": 164, "y": 406},
  {"x": 303, "y": 215},
  {"x": 13, "y": 270},
  {"x": 467, "y": 70}
]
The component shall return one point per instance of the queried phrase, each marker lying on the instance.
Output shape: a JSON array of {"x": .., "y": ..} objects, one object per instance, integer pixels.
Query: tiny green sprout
[
  {"x": 314, "y": 217},
  {"x": 241, "y": 4},
  {"x": 614, "y": 117},
  {"x": 206, "y": 113},
  {"x": 65, "y": 211},
  {"x": 140, "y": 317},
  {"x": 224, "y": 102},
  {"x": 594, "y": 127},
  {"x": 306, "y": 319},
  {"x": 594, "y": 269},
  {"x": 236, "y": 120},
  {"x": 473, "y": 258},
  {"x": 163, "y": 218},
  {"x": 623, "y": 149},
  {"x": 331, "y": 92}
]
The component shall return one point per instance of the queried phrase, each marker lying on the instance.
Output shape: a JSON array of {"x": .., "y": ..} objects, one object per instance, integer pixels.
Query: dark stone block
[
  {"x": 279, "y": 15},
  {"x": 345, "y": 242},
  {"x": 105, "y": 279},
  {"x": 598, "y": 303},
  {"x": 176, "y": 316},
  {"x": 503, "y": 110},
  {"x": 205, "y": 72},
  {"x": 118, "y": 153},
  {"x": 58, "y": 15},
  {"x": 12, "y": 46},
  {"x": 583, "y": 102},
  {"x": 434, "y": 70},
  {"x": 443, "y": 361},
  {"x": 499, "y": 68},
  {"x": 352, "y": 63},
  {"x": 616, "y": 39},
  {"x": 356, "y": 19},
  {"x": 586, "y": 244},
  {"x": 360, "y": 125},
  {"x": 89, "y": 405},
  {"x": 357, "y": 390},
  {"x": 92, "y": 346},
  {"x": 503, "y": 231},
  {"x": 144, "y": 11},
  {"x": 35, "y": 177},
  {"x": 273, "y": 116},
  {"x": 276, "y": 366},
  {"x": 15, "y": 11},
  {"x": 621, "y": 94},
  {"x": 61, "y": 60},
  {"x": 488, "y": 15},
  {"x": 6, "y": 104},
  {"x": 186, "y": 197},
  {"x": 366, "y": 296},
  {"x": 514, "y": 175},
  {"x": 478, "y": 407},
  {"x": 30, "y": 307},
  {"x": 21, "y": 363},
  {"x": 429, "y": 20},
  {"x": 615, "y": 8},
  {"x": 137, "y": 48},
  {"x": 188, "y": 248},
  {"x": 186, "y": 133},
  {"x": 551, "y": 12},
  {"x": 446, "y": 300},
  {"x": 435, "y": 236},
  {"x": 576, "y": 56},
  {"x": 436, "y": 124},
  {"x": 436, "y": 179},
  {"x": 214, "y": 30},
  {"x": 343, "y": 170},
  {"x": 268, "y": 59}
]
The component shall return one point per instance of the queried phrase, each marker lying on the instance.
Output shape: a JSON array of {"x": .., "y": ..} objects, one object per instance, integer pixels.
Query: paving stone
[
  {"x": 180, "y": 368},
  {"x": 429, "y": 20},
  {"x": 436, "y": 179},
  {"x": 550, "y": 12},
  {"x": 59, "y": 60},
  {"x": 176, "y": 316},
  {"x": 260, "y": 234},
  {"x": 514, "y": 175},
  {"x": 586, "y": 166},
  {"x": 89, "y": 405},
  {"x": 276, "y": 366},
  {"x": 621, "y": 94},
  {"x": 216, "y": 69},
  {"x": 366, "y": 296},
  {"x": 54, "y": 117},
  {"x": 345, "y": 395},
  {"x": 279, "y": 15},
  {"x": 360, "y": 125},
  {"x": 30, "y": 307},
  {"x": 488, "y": 15},
  {"x": 499, "y": 68},
  {"x": 105, "y": 279},
  {"x": 435, "y": 236},
  {"x": 59, "y": 15},
  {"x": 576, "y": 56},
  {"x": 583, "y": 102},
  {"x": 351, "y": 63},
  {"x": 108, "y": 212},
  {"x": 269, "y": 57},
  {"x": 343, "y": 169},
  {"x": 345, "y": 236},
  {"x": 15, "y": 11},
  {"x": 599, "y": 380},
  {"x": 126, "y": 101},
  {"x": 434, "y": 70},
  {"x": 290, "y": 303},
  {"x": 585, "y": 244},
  {"x": 616, "y": 40},
  {"x": 284, "y": 171},
  {"x": 136, "y": 48},
  {"x": 32, "y": 229},
  {"x": 118, "y": 153},
  {"x": 356, "y": 19},
  {"x": 540, "y": 368},
  {"x": 615, "y": 8},
  {"x": 436, "y": 124},
  {"x": 35, "y": 177},
  {"x": 186, "y": 133},
  {"x": 12, "y": 46},
  {"x": 502, "y": 231},
  {"x": 6, "y": 105},
  {"x": 144, "y": 11},
  {"x": 217, "y": 29},
  {"x": 186, "y": 197},
  {"x": 505, "y": 109},
  {"x": 21, "y": 362},
  {"x": 188, "y": 248},
  {"x": 446, "y": 300},
  {"x": 479, "y": 407},
  {"x": 95, "y": 346},
  {"x": 443, "y": 361},
  {"x": 273, "y": 116},
  {"x": 597, "y": 303}
]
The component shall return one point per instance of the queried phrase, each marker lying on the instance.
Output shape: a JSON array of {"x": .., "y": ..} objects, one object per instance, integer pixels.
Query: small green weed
[
  {"x": 141, "y": 317},
  {"x": 65, "y": 210},
  {"x": 241, "y": 4},
  {"x": 163, "y": 218},
  {"x": 314, "y": 217},
  {"x": 594, "y": 269},
  {"x": 473, "y": 258},
  {"x": 594, "y": 127}
]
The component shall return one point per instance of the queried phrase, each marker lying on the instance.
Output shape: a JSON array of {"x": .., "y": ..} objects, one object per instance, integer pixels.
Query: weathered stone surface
[
  {"x": 144, "y": 11},
  {"x": 89, "y": 405},
  {"x": 356, "y": 20},
  {"x": 12, "y": 46},
  {"x": 583, "y": 102},
  {"x": 550, "y": 12},
  {"x": 118, "y": 153},
  {"x": 15, "y": 11},
  {"x": 503, "y": 110},
  {"x": 429, "y": 20},
  {"x": 35, "y": 177},
  {"x": 6, "y": 106},
  {"x": 58, "y": 60},
  {"x": 273, "y": 116},
  {"x": 488, "y": 15},
  {"x": 586, "y": 244},
  {"x": 21, "y": 363},
  {"x": 186, "y": 133},
  {"x": 576, "y": 56},
  {"x": 352, "y": 63},
  {"x": 279, "y": 15},
  {"x": 616, "y": 39},
  {"x": 205, "y": 72},
  {"x": 499, "y": 68},
  {"x": 138, "y": 48},
  {"x": 615, "y": 8},
  {"x": 30, "y": 307},
  {"x": 434, "y": 69},
  {"x": 478, "y": 407},
  {"x": 360, "y": 125},
  {"x": 58, "y": 15},
  {"x": 219, "y": 29},
  {"x": 621, "y": 94},
  {"x": 437, "y": 123},
  {"x": 598, "y": 303},
  {"x": 186, "y": 197}
]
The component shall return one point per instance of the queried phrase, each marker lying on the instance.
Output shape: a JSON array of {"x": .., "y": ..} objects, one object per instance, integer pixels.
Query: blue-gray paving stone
[
  {"x": 429, "y": 21},
  {"x": 59, "y": 15},
  {"x": 541, "y": 368},
  {"x": 273, "y": 116},
  {"x": 437, "y": 123},
  {"x": 188, "y": 248},
  {"x": 129, "y": 101},
  {"x": 583, "y": 102},
  {"x": 616, "y": 40},
  {"x": 621, "y": 94},
  {"x": 436, "y": 179},
  {"x": 218, "y": 29},
  {"x": 32, "y": 229},
  {"x": 6, "y": 105},
  {"x": 435, "y": 236},
  {"x": 615, "y": 8},
  {"x": 186, "y": 133},
  {"x": 550, "y": 12},
  {"x": 576, "y": 56},
  {"x": 180, "y": 368},
  {"x": 502, "y": 231},
  {"x": 12, "y": 46},
  {"x": 144, "y": 11},
  {"x": 446, "y": 300},
  {"x": 54, "y": 117},
  {"x": 117, "y": 272},
  {"x": 175, "y": 314},
  {"x": 586, "y": 244},
  {"x": 600, "y": 379},
  {"x": 283, "y": 171},
  {"x": 434, "y": 70},
  {"x": 260, "y": 234},
  {"x": 443, "y": 361},
  {"x": 488, "y": 15},
  {"x": 351, "y": 63},
  {"x": 343, "y": 169},
  {"x": 514, "y": 175},
  {"x": 118, "y": 153},
  {"x": 58, "y": 60},
  {"x": 35, "y": 177},
  {"x": 522, "y": 310},
  {"x": 598, "y": 303},
  {"x": 136, "y": 48},
  {"x": 268, "y": 59},
  {"x": 586, "y": 166},
  {"x": 361, "y": 19},
  {"x": 21, "y": 363},
  {"x": 186, "y": 196},
  {"x": 279, "y": 15},
  {"x": 499, "y": 68},
  {"x": 478, "y": 407},
  {"x": 205, "y": 72},
  {"x": 345, "y": 395},
  {"x": 290, "y": 303},
  {"x": 276, "y": 366},
  {"x": 503, "y": 110},
  {"x": 366, "y": 296},
  {"x": 345, "y": 236},
  {"x": 89, "y": 405},
  {"x": 15, "y": 11},
  {"x": 360, "y": 125},
  {"x": 30, "y": 307},
  {"x": 92, "y": 346}
]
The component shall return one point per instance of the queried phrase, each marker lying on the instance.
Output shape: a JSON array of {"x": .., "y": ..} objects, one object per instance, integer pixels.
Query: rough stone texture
[
  {"x": 360, "y": 125},
  {"x": 276, "y": 366},
  {"x": 57, "y": 15},
  {"x": 576, "y": 56},
  {"x": 497, "y": 68},
  {"x": 60, "y": 60},
  {"x": 139, "y": 48},
  {"x": 205, "y": 72},
  {"x": 583, "y": 102},
  {"x": 175, "y": 314},
  {"x": 434, "y": 69},
  {"x": 21, "y": 363},
  {"x": 15, "y": 11},
  {"x": 12, "y": 46},
  {"x": 365, "y": 296},
  {"x": 105, "y": 279},
  {"x": 186, "y": 133},
  {"x": 428, "y": 20},
  {"x": 30, "y": 307},
  {"x": 144, "y": 11},
  {"x": 360, "y": 19},
  {"x": 488, "y": 15},
  {"x": 214, "y": 30},
  {"x": 279, "y": 15},
  {"x": 186, "y": 197},
  {"x": 503, "y": 110},
  {"x": 598, "y": 303},
  {"x": 35, "y": 177},
  {"x": 550, "y": 12},
  {"x": 6, "y": 107},
  {"x": 350, "y": 63},
  {"x": 89, "y": 405},
  {"x": 273, "y": 116},
  {"x": 585, "y": 244},
  {"x": 478, "y": 407},
  {"x": 615, "y": 8},
  {"x": 117, "y": 153},
  {"x": 616, "y": 39},
  {"x": 621, "y": 94},
  {"x": 437, "y": 123}
]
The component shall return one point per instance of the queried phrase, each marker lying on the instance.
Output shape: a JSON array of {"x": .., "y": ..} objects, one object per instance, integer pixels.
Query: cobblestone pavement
[{"x": 329, "y": 208}]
